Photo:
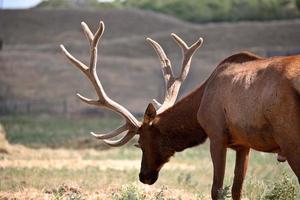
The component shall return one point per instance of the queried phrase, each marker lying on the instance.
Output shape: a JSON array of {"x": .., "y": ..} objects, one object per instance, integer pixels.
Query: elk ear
[{"x": 150, "y": 113}]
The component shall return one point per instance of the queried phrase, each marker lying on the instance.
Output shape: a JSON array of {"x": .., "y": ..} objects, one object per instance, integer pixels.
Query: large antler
[
  {"x": 132, "y": 124},
  {"x": 173, "y": 83}
]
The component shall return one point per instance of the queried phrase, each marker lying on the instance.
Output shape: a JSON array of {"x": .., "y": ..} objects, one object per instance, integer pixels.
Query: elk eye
[{"x": 137, "y": 146}]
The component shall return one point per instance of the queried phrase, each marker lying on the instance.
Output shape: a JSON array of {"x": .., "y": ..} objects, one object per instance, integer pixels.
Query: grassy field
[{"x": 55, "y": 158}]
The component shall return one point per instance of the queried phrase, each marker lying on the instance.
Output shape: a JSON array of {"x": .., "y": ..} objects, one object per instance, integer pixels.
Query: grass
[
  {"x": 199, "y": 10},
  {"x": 129, "y": 192},
  {"x": 284, "y": 189},
  {"x": 54, "y": 132},
  {"x": 113, "y": 173},
  {"x": 216, "y": 10}
]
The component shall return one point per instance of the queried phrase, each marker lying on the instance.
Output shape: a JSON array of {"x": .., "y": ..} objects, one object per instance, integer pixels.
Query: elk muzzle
[{"x": 148, "y": 178}]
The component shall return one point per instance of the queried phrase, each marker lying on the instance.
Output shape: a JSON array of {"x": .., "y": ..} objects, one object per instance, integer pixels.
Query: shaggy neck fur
[{"x": 185, "y": 131}]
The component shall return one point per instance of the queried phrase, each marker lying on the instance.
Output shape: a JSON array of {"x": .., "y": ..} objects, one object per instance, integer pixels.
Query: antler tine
[
  {"x": 180, "y": 42},
  {"x": 120, "y": 142},
  {"x": 166, "y": 66},
  {"x": 112, "y": 133},
  {"x": 165, "y": 61},
  {"x": 160, "y": 52},
  {"x": 173, "y": 83},
  {"x": 187, "y": 53},
  {"x": 73, "y": 60},
  {"x": 132, "y": 124},
  {"x": 99, "y": 33},
  {"x": 156, "y": 103},
  {"x": 88, "y": 33}
]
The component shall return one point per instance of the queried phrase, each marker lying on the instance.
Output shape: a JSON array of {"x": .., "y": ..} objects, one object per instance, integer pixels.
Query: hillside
[{"x": 32, "y": 66}]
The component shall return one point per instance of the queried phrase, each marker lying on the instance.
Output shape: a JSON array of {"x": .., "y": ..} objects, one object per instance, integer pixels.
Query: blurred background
[{"x": 38, "y": 105}]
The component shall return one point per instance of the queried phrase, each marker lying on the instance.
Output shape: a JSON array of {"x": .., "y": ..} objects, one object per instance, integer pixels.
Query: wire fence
[
  {"x": 52, "y": 107},
  {"x": 33, "y": 107},
  {"x": 63, "y": 107}
]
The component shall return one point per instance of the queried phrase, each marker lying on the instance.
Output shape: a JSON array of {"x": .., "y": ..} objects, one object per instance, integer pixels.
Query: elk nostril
[
  {"x": 148, "y": 178},
  {"x": 142, "y": 177}
]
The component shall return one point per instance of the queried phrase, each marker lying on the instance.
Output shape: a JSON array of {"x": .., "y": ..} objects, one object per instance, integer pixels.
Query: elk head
[{"x": 156, "y": 149}]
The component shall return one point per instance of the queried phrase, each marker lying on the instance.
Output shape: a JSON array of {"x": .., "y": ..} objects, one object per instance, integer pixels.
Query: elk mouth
[{"x": 149, "y": 178}]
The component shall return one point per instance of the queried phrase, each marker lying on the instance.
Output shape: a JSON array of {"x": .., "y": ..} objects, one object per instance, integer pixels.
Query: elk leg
[
  {"x": 293, "y": 158},
  {"x": 218, "y": 155},
  {"x": 290, "y": 144},
  {"x": 241, "y": 164},
  {"x": 291, "y": 150}
]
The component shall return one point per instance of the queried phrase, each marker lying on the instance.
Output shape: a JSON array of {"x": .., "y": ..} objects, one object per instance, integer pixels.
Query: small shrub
[
  {"x": 284, "y": 189},
  {"x": 254, "y": 188},
  {"x": 65, "y": 192},
  {"x": 224, "y": 193},
  {"x": 200, "y": 196},
  {"x": 298, "y": 4},
  {"x": 129, "y": 192},
  {"x": 187, "y": 180},
  {"x": 160, "y": 195}
]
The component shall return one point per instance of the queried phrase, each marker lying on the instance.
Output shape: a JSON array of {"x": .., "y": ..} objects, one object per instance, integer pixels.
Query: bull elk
[{"x": 247, "y": 102}]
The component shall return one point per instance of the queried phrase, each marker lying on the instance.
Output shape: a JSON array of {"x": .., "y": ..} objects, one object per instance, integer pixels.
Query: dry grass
[
  {"x": 28, "y": 174},
  {"x": 45, "y": 173},
  {"x": 89, "y": 174}
]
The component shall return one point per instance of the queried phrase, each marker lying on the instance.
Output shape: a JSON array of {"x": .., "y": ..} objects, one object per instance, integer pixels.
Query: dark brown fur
[{"x": 171, "y": 131}]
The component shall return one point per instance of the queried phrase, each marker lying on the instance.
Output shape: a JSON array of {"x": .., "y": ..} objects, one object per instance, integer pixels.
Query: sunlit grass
[
  {"x": 49, "y": 131},
  {"x": 113, "y": 173}
]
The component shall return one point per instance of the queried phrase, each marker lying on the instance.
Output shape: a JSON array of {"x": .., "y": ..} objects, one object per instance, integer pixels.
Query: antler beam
[
  {"x": 173, "y": 83},
  {"x": 132, "y": 124}
]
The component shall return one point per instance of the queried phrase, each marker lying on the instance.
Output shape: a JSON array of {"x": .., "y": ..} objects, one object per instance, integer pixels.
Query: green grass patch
[
  {"x": 55, "y": 131},
  {"x": 199, "y": 10}
]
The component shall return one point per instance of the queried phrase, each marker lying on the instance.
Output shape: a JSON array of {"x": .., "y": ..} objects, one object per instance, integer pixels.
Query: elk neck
[{"x": 179, "y": 124}]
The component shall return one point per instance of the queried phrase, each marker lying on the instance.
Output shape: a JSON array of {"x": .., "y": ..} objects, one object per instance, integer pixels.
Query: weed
[
  {"x": 186, "y": 179},
  {"x": 284, "y": 189},
  {"x": 254, "y": 188},
  {"x": 224, "y": 193},
  {"x": 65, "y": 192},
  {"x": 129, "y": 192},
  {"x": 200, "y": 196},
  {"x": 160, "y": 194}
]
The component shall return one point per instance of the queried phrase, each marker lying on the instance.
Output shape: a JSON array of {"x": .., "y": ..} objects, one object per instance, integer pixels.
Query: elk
[
  {"x": 251, "y": 102},
  {"x": 247, "y": 102}
]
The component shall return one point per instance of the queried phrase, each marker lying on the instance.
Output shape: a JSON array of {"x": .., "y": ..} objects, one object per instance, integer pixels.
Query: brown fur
[
  {"x": 247, "y": 102},
  {"x": 171, "y": 131},
  {"x": 252, "y": 104}
]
